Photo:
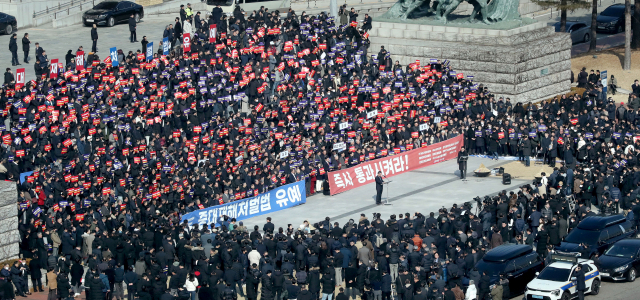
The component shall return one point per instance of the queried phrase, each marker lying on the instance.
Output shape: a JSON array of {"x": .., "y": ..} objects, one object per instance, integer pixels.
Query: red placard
[
  {"x": 186, "y": 42},
  {"x": 212, "y": 33},
  {"x": 362, "y": 174},
  {"x": 80, "y": 60},
  {"x": 53, "y": 71},
  {"x": 20, "y": 78}
]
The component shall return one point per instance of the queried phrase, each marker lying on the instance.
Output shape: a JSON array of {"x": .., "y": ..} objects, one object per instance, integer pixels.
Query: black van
[
  {"x": 597, "y": 233},
  {"x": 518, "y": 263}
]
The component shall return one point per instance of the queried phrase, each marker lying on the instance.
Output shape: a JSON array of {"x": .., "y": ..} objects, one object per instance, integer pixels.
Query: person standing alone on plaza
[
  {"x": 132, "y": 28},
  {"x": 462, "y": 162},
  {"x": 379, "y": 183},
  {"x": 25, "y": 47},
  {"x": 94, "y": 38},
  {"x": 13, "y": 47}
]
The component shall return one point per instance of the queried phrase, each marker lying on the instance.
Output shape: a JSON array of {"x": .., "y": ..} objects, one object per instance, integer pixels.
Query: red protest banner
[
  {"x": 80, "y": 60},
  {"x": 186, "y": 42},
  {"x": 212, "y": 33},
  {"x": 53, "y": 71},
  {"x": 362, "y": 174},
  {"x": 20, "y": 78}
]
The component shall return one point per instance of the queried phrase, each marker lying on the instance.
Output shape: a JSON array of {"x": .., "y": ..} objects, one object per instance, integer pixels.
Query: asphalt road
[
  {"x": 580, "y": 15},
  {"x": 57, "y": 41},
  {"x": 610, "y": 290}
]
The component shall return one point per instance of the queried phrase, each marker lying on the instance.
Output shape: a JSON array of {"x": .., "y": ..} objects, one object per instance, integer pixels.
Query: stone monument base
[
  {"x": 9, "y": 244},
  {"x": 527, "y": 63}
]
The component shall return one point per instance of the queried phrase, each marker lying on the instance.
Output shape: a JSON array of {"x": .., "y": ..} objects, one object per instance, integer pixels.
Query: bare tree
[
  {"x": 563, "y": 6},
  {"x": 627, "y": 35},
  {"x": 635, "y": 23},
  {"x": 594, "y": 25}
]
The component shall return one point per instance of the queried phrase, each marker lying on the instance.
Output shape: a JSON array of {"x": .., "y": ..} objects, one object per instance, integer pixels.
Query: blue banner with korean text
[{"x": 281, "y": 198}]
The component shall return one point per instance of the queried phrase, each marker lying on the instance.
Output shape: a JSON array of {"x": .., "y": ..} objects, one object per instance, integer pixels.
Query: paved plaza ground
[{"x": 424, "y": 190}]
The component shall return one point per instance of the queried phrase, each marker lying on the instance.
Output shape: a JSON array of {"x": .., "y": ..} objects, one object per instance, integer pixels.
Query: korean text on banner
[
  {"x": 166, "y": 45},
  {"x": 80, "y": 60},
  {"x": 113, "y": 52},
  {"x": 212, "y": 33},
  {"x": 149, "y": 51},
  {"x": 362, "y": 174},
  {"x": 186, "y": 42},
  {"x": 20, "y": 79},
  {"x": 53, "y": 69},
  {"x": 284, "y": 197}
]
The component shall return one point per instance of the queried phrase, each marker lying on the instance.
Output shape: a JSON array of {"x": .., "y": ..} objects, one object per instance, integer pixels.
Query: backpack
[
  {"x": 379, "y": 240},
  {"x": 395, "y": 236}
]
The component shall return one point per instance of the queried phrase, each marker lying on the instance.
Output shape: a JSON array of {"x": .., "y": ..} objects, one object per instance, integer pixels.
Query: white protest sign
[{"x": 339, "y": 146}]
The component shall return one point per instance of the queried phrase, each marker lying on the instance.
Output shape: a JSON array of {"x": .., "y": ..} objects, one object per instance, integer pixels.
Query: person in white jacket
[
  {"x": 191, "y": 285},
  {"x": 254, "y": 257},
  {"x": 187, "y": 28},
  {"x": 472, "y": 293}
]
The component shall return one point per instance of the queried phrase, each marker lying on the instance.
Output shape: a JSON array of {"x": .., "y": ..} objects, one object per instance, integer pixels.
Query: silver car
[{"x": 580, "y": 31}]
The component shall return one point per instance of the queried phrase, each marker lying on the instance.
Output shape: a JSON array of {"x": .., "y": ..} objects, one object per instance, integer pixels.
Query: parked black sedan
[
  {"x": 621, "y": 261},
  {"x": 111, "y": 12},
  {"x": 8, "y": 23}
]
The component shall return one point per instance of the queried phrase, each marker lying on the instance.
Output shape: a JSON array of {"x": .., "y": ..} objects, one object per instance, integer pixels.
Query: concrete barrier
[{"x": 69, "y": 20}]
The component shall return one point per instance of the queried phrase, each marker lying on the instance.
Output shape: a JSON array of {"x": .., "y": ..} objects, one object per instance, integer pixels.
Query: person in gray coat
[{"x": 344, "y": 15}]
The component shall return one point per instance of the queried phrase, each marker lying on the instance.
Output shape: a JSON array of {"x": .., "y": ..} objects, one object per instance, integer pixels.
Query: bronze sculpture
[{"x": 488, "y": 12}]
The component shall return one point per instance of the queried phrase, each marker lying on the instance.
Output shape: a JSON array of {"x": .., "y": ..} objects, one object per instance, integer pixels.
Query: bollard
[{"x": 308, "y": 3}]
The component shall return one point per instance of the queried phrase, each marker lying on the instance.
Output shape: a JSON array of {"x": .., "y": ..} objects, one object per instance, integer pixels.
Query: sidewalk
[{"x": 604, "y": 43}]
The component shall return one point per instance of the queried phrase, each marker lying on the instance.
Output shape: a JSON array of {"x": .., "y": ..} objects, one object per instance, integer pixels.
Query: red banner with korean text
[
  {"x": 365, "y": 173},
  {"x": 186, "y": 42}
]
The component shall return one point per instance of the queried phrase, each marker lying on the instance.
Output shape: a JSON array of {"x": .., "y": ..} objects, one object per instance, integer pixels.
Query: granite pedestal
[
  {"x": 527, "y": 63},
  {"x": 10, "y": 237}
]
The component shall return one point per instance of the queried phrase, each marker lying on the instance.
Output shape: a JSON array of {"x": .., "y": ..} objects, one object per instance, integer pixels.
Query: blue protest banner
[
  {"x": 281, "y": 198},
  {"x": 114, "y": 56},
  {"x": 605, "y": 82},
  {"x": 150, "y": 51},
  {"x": 23, "y": 176},
  {"x": 166, "y": 46}
]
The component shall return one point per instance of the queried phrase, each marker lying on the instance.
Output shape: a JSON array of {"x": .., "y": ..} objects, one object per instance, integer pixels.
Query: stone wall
[
  {"x": 528, "y": 63},
  {"x": 8, "y": 221}
]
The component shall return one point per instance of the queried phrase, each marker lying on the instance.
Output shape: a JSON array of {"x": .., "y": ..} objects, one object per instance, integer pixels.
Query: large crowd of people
[{"x": 107, "y": 159}]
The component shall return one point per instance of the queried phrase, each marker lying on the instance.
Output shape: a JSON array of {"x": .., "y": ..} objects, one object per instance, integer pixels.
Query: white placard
[
  {"x": 424, "y": 127},
  {"x": 436, "y": 120},
  {"x": 372, "y": 114},
  {"x": 284, "y": 154},
  {"x": 339, "y": 146},
  {"x": 239, "y": 159},
  {"x": 438, "y": 102},
  {"x": 343, "y": 125}
]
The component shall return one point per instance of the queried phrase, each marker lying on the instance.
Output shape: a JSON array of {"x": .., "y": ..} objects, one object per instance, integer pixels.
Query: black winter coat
[
  {"x": 13, "y": 45},
  {"x": 95, "y": 288},
  {"x": 64, "y": 287},
  {"x": 132, "y": 24}
]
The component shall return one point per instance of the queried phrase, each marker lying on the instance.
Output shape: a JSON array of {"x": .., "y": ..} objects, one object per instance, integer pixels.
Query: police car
[{"x": 557, "y": 280}]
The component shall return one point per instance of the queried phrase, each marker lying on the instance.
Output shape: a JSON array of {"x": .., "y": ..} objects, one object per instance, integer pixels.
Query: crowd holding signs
[
  {"x": 136, "y": 147},
  {"x": 149, "y": 129}
]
